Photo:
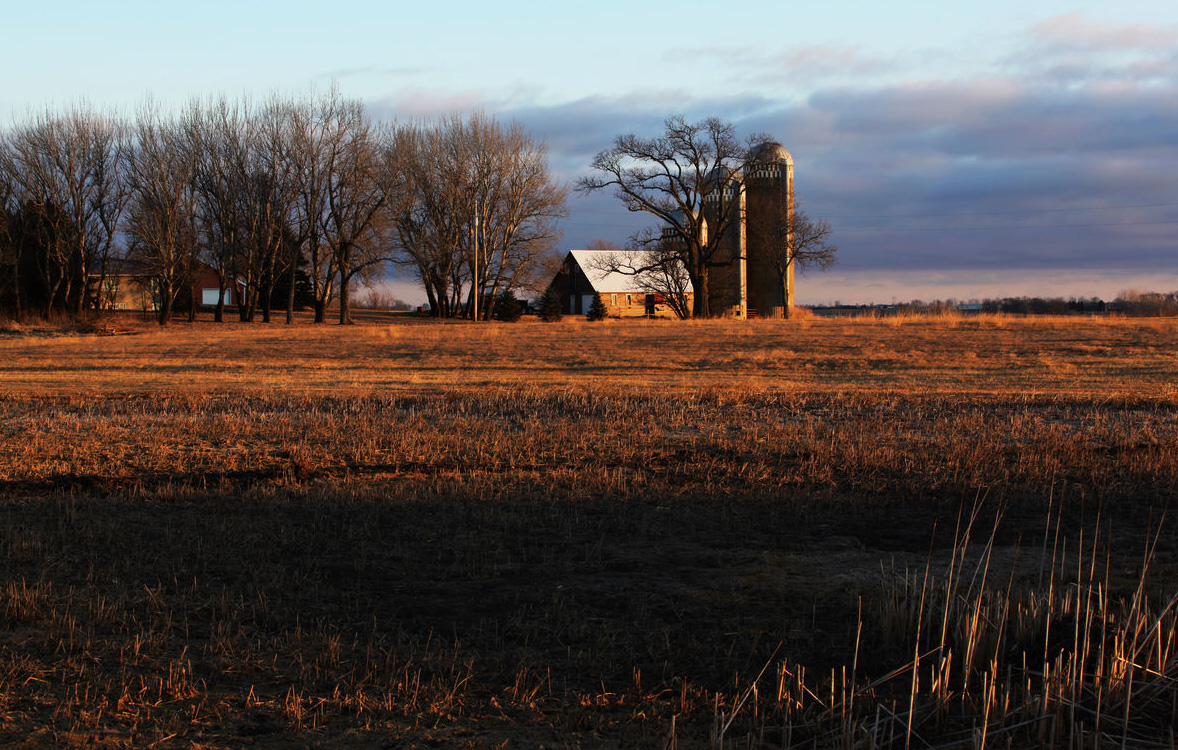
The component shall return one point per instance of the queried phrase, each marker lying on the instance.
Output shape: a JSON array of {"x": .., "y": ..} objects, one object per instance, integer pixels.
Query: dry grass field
[{"x": 862, "y": 533}]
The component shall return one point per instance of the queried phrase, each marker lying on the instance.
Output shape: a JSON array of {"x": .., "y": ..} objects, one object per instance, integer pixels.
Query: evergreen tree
[
  {"x": 597, "y": 310},
  {"x": 550, "y": 307},
  {"x": 508, "y": 308}
]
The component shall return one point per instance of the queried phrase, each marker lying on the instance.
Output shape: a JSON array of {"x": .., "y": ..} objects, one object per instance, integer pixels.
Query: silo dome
[
  {"x": 771, "y": 151},
  {"x": 720, "y": 174}
]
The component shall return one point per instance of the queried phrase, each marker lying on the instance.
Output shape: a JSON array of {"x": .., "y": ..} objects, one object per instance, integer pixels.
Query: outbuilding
[{"x": 616, "y": 276}]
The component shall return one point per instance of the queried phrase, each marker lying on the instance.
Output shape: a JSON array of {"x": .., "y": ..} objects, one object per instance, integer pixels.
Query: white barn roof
[{"x": 595, "y": 262}]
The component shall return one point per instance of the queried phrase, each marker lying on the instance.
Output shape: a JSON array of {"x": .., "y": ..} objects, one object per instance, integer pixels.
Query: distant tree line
[
  {"x": 1147, "y": 304},
  {"x": 291, "y": 200},
  {"x": 1044, "y": 306},
  {"x": 1130, "y": 302}
]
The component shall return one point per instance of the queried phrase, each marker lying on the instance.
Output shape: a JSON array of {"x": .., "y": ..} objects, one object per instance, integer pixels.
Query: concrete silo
[
  {"x": 769, "y": 190},
  {"x": 757, "y": 273}
]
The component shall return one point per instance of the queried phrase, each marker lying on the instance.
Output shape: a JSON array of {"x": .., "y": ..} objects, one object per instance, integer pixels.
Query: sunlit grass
[
  {"x": 985, "y": 354},
  {"x": 634, "y": 532}
]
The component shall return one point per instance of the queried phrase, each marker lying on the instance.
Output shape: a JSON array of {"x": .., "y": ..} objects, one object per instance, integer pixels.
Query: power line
[
  {"x": 1000, "y": 213},
  {"x": 1013, "y": 212},
  {"x": 1019, "y": 212},
  {"x": 1007, "y": 227}
]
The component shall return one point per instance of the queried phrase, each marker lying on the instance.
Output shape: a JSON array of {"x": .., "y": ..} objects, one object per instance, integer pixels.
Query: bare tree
[
  {"x": 358, "y": 190},
  {"x": 686, "y": 178},
  {"x": 10, "y": 296},
  {"x": 656, "y": 267},
  {"x": 659, "y": 271},
  {"x": 66, "y": 169},
  {"x": 308, "y": 122},
  {"x": 214, "y": 132},
  {"x": 480, "y": 212},
  {"x": 162, "y": 213},
  {"x": 520, "y": 213},
  {"x": 239, "y": 144},
  {"x": 792, "y": 239},
  {"x": 248, "y": 191},
  {"x": 427, "y": 221},
  {"x": 343, "y": 185},
  {"x": 109, "y": 145},
  {"x": 260, "y": 197},
  {"x": 44, "y": 195},
  {"x": 278, "y": 192}
]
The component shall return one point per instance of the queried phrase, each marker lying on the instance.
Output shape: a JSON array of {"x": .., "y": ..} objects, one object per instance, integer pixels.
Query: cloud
[
  {"x": 1076, "y": 31},
  {"x": 794, "y": 69},
  {"x": 576, "y": 129},
  {"x": 414, "y": 103},
  {"x": 982, "y": 174},
  {"x": 1015, "y": 173},
  {"x": 825, "y": 59},
  {"x": 991, "y": 172},
  {"x": 1074, "y": 50}
]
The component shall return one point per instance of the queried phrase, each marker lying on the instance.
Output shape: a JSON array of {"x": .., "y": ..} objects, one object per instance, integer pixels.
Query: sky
[{"x": 989, "y": 149}]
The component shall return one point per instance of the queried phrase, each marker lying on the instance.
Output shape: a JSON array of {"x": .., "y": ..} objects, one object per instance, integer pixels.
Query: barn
[
  {"x": 613, "y": 274},
  {"x": 129, "y": 284}
]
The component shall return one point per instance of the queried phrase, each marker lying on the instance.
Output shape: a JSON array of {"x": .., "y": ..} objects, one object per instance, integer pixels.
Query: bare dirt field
[{"x": 815, "y": 533}]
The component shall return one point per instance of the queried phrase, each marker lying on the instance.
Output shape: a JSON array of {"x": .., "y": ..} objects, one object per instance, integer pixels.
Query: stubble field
[{"x": 817, "y": 533}]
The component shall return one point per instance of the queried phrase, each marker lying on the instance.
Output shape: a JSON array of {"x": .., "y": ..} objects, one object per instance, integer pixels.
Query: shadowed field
[{"x": 575, "y": 535}]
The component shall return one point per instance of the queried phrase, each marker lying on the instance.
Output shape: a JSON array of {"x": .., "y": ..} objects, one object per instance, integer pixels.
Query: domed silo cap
[{"x": 771, "y": 151}]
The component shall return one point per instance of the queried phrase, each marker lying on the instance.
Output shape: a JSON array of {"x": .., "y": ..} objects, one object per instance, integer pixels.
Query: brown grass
[
  {"x": 646, "y": 533},
  {"x": 977, "y": 355}
]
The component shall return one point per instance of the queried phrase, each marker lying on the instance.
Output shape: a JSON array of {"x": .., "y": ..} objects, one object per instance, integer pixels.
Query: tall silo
[{"x": 769, "y": 188}]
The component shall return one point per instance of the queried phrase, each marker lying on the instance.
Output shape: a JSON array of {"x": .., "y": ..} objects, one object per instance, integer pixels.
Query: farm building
[
  {"x": 206, "y": 285},
  {"x": 128, "y": 285},
  {"x": 751, "y": 273},
  {"x": 617, "y": 276}
]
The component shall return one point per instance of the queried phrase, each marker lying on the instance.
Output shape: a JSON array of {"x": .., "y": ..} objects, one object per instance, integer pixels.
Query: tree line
[
  {"x": 287, "y": 199},
  {"x": 1129, "y": 302}
]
